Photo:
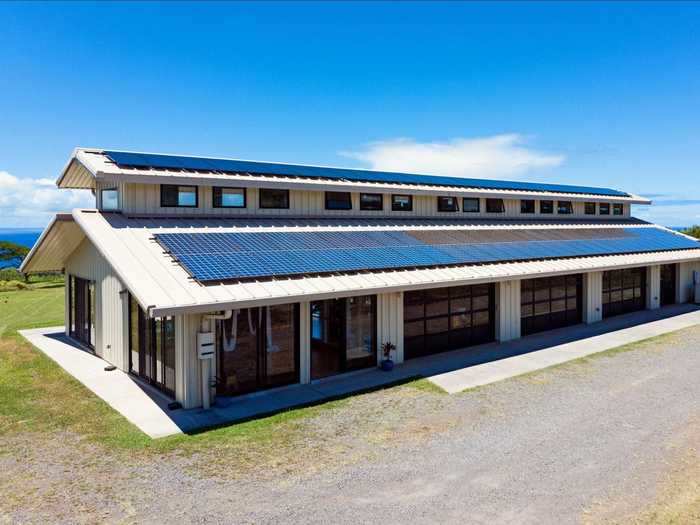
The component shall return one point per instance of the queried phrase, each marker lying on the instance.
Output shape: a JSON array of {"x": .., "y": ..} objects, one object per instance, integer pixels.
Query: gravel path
[{"x": 590, "y": 441}]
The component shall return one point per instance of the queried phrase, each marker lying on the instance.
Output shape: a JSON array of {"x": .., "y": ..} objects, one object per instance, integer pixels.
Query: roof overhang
[
  {"x": 86, "y": 166},
  {"x": 163, "y": 287},
  {"x": 60, "y": 238}
]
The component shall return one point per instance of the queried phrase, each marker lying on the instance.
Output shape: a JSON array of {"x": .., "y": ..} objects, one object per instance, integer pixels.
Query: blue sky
[{"x": 596, "y": 93}]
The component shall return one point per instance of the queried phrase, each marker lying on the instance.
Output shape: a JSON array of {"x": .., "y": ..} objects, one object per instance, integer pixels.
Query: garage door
[
  {"x": 550, "y": 302},
  {"x": 624, "y": 291},
  {"x": 447, "y": 318}
]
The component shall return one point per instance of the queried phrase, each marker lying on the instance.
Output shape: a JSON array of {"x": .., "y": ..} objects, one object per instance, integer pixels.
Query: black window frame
[
  {"x": 393, "y": 202},
  {"x": 532, "y": 300},
  {"x": 587, "y": 208},
  {"x": 624, "y": 291},
  {"x": 618, "y": 209},
  {"x": 472, "y": 200},
  {"x": 495, "y": 206},
  {"x": 441, "y": 199},
  {"x": 365, "y": 207},
  {"x": 567, "y": 206},
  {"x": 527, "y": 206},
  {"x": 261, "y": 193},
  {"x": 217, "y": 201},
  {"x": 164, "y": 204},
  {"x": 545, "y": 211},
  {"x": 455, "y": 302},
  {"x": 344, "y": 204},
  {"x": 604, "y": 208}
]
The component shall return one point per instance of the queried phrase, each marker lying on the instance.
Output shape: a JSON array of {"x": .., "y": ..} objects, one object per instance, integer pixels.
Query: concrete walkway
[
  {"x": 453, "y": 371},
  {"x": 140, "y": 404}
]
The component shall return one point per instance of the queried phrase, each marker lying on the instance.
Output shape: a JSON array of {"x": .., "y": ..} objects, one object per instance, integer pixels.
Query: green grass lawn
[
  {"x": 36, "y": 395},
  {"x": 41, "y": 306}
]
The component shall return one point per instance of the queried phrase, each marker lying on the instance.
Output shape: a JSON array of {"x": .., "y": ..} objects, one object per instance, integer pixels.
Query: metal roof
[
  {"x": 217, "y": 256},
  {"x": 87, "y": 165},
  {"x": 163, "y": 287},
  {"x": 179, "y": 162}
]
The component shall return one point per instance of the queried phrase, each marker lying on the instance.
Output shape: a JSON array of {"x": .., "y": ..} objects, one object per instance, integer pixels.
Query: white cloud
[
  {"x": 483, "y": 157},
  {"x": 28, "y": 203}
]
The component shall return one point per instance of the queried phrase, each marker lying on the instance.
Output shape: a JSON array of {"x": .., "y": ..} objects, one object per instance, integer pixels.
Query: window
[
  {"x": 338, "y": 200},
  {"x": 527, "y": 206},
  {"x": 447, "y": 204},
  {"x": 371, "y": 201},
  {"x": 178, "y": 196},
  {"x": 618, "y": 209},
  {"x": 109, "y": 198},
  {"x": 604, "y": 208},
  {"x": 229, "y": 197},
  {"x": 152, "y": 348},
  {"x": 274, "y": 199},
  {"x": 546, "y": 206},
  {"x": 590, "y": 208},
  {"x": 495, "y": 206},
  {"x": 471, "y": 205},
  {"x": 550, "y": 302},
  {"x": 624, "y": 291},
  {"x": 81, "y": 310},
  {"x": 447, "y": 318},
  {"x": 402, "y": 203},
  {"x": 565, "y": 208}
]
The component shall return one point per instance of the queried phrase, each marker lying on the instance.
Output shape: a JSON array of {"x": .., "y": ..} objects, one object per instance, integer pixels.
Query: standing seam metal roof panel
[{"x": 145, "y": 160}]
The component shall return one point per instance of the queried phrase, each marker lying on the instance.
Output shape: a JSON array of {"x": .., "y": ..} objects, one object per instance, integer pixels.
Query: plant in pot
[{"x": 387, "y": 349}]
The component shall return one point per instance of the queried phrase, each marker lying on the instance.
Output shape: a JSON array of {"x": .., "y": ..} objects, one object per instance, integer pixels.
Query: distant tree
[
  {"x": 693, "y": 231},
  {"x": 9, "y": 251}
]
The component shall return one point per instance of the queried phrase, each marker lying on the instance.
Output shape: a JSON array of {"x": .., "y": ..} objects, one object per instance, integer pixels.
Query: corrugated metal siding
[
  {"x": 145, "y": 199},
  {"x": 110, "y": 343},
  {"x": 653, "y": 299},
  {"x": 592, "y": 297},
  {"x": 508, "y": 310},
  {"x": 304, "y": 342},
  {"x": 187, "y": 366},
  {"x": 685, "y": 280},
  {"x": 390, "y": 323}
]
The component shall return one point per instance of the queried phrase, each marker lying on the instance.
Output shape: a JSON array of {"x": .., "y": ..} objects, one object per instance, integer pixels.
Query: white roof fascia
[{"x": 104, "y": 170}]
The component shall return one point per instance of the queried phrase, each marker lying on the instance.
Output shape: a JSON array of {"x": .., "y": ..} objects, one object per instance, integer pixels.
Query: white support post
[
  {"x": 508, "y": 320},
  {"x": 592, "y": 297},
  {"x": 653, "y": 300},
  {"x": 304, "y": 342}
]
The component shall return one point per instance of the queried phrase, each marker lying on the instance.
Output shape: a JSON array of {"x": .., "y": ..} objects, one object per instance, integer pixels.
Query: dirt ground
[{"x": 608, "y": 439}]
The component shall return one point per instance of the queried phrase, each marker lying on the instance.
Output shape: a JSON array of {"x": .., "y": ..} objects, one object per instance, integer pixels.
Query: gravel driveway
[{"x": 589, "y": 441}]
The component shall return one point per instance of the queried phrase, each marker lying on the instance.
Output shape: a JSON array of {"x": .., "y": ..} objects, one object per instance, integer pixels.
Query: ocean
[{"x": 23, "y": 236}]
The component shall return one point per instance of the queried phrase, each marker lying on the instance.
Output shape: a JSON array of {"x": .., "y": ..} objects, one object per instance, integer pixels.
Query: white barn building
[{"x": 207, "y": 277}]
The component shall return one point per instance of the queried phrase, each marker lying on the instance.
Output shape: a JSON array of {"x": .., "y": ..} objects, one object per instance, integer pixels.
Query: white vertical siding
[
  {"x": 390, "y": 323},
  {"x": 508, "y": 310},
  {"x": 592, "y": 297},
  {"x": 653, "y": 300},
  {"x": 188, "y": 390},
  {"x": 304, "y": 342},
  {"x": 145, "y": 199},
  {"x": 684, "y": 289},
  {"x": 110, "y": 330}
]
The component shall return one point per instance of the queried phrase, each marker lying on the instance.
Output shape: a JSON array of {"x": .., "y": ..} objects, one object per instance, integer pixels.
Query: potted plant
[{"x": 387, "y": 349}]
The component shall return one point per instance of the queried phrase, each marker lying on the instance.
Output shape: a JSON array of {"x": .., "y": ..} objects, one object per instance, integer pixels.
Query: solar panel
[
  {"x": 229, "y": 256},
  {"x": 144, "y": 160}
]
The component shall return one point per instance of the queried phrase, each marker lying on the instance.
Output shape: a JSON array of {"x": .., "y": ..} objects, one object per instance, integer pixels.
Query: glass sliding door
[
  {"x": 624, "y": 291},
  {"x": 258, "y": 348},
  {"x": 343, "y": 335},
  {"x": 81, "y": 298},
  {"x": 152, "y": 348},
  {"x": 444, "y": 319}
]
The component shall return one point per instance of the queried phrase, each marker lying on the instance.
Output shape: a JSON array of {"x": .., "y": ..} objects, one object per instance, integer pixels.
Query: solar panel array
[
  {"x": 145, "y": 160},
  {"x": 234, "y": 256}
]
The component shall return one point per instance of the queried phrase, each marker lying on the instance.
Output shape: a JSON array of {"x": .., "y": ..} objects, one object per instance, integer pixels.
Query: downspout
[{"x": 206, "y": 352}]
